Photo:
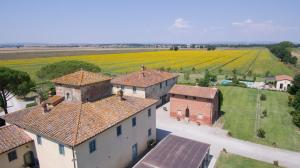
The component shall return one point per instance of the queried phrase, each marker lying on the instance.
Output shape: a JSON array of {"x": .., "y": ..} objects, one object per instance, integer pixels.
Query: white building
[
  {"x": 16, "y": 148},
  {"x": 283, "y": 82},
  {"x": 146, "y": 83},
  {"x": 107, "y": 133}
]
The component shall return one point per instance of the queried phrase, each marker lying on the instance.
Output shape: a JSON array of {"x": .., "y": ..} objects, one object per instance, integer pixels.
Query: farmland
[{"x": 257, "y": 61}]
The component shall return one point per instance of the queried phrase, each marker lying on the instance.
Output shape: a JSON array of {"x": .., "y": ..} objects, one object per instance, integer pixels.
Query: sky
[{"x": 149, "y": 21}]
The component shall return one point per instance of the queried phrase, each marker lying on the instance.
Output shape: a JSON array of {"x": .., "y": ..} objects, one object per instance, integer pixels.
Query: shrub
[
  {"x": 31, "y": 104},
  {"x": 260, "y": 133},
  {"x": 296, "y": 118},
  {"x": 263, "y": 97},
  {"x": 290, "y": 100},
  {"x": 265, "y": 113},
  {"x": 186, "y": 76}
]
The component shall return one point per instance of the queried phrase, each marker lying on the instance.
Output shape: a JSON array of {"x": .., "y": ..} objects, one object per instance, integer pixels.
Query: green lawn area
[
  {"x": 239, "y": 119},
  {"x": 227, "y": 160}
]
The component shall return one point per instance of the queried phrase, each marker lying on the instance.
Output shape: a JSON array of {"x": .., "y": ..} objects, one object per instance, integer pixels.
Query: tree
[
  {"x": 260, "y": 133},
  {"x": 296, "y": 118},
  {"x": 263, "y": 97},
  {"x": 186, "y": 76},
  {"x": 12, "y": 83},
  {"x": 61, "y": 68},
  {"x": 296, "y": 102}
]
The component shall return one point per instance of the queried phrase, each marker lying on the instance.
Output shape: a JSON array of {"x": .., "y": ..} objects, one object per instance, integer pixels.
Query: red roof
[
  {"x": 143, "y": 78},
  {"x": 283, "y": 77},
  {"x": 74, "y": 122},
  {"x": 11, "y": 137},
  {"x": 81, "y": 78},
  {"x": 196, "y": 91}
]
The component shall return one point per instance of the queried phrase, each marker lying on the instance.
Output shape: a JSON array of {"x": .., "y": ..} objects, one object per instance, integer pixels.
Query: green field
[
  {"x": 227, "y": 160},
  {"x": 240, "y": 117},
  {"x": 256, "y": 60}
]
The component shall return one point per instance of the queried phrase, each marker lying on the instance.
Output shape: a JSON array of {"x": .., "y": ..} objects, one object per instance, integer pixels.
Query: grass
[
  {"x": 258, "y": 60},
  {"x": 227, "y": 160},
  {"x": 239, "y": 119}
]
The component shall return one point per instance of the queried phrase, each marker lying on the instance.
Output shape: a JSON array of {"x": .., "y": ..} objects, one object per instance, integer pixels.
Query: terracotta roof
[
  {"x": 72, "y": 123},
  {"x": 196, "y": 91},
  {"x": 143, "y": 78},
  {"x": 175, "y": 152},
  {"x": 81, "y": 78},
  {"x": 11, "y": 137},
  {"x": 283, "y": 77}
]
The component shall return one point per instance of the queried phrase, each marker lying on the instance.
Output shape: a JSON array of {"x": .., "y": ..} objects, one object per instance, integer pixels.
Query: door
[
  {"x": 134, "y": 152},
  {"x": 187, "y": 112}
]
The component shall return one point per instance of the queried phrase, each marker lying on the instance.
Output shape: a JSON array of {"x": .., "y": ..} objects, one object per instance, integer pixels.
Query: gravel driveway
[{"x": 218, "y": 139}]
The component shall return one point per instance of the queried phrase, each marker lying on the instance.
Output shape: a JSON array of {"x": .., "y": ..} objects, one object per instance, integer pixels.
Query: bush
[
  {"x": 186, "y": 76},
  {"x": 260, "y": 133},
  {"x": 263, "y": 97},
  {"x": 61, "y": 68},
  {"x": 265, "y": 113},
  {"x": 31, "y": 104},
  {"x": 296, "y": 118}
]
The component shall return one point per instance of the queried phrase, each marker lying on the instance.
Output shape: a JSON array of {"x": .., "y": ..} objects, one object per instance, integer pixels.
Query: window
[
  {"x": 61, "y": 149},
  {"x": 134, "y": 89},
  {"x": 133, "y": 121},
  {"x": 160, "y": 85},
  {"x": 194, "y": 98},
  {"x": 149, "y": 132},
  {"x": 12, "y": 155},
  {"x": 166, "y": 83},
  {"x": 39, "y": 139},
  {"x": 119, "y": 130},
  {"x": 149, "y": 112},
  {"x": 185, "y": 97},
  {"x": 92, "y": 146},
  {"x": 122, "y": 87},
  {"x": 68, "y": 96}
]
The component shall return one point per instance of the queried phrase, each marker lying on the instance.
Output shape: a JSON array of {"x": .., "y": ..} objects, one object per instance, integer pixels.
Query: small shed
[{"x": 176, "y": 152}]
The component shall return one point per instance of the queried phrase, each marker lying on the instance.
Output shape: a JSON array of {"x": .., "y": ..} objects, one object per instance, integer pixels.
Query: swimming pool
[{"x": 248, "y": 84}]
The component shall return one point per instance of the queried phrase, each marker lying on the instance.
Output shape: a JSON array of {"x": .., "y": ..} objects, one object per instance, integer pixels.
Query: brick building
[{"x": 196, "y": 104}]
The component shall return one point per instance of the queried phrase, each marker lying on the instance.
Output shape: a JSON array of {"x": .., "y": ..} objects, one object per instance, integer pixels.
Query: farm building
[
  {"x": 177, "y": 152},
  {"x": 196, "y": 104},
  {"x": 16, "y": 148},
  {"x": 283, "y": 82},
  {"x": 146, "y": 83},
  {"x": 71, "y": 131}
]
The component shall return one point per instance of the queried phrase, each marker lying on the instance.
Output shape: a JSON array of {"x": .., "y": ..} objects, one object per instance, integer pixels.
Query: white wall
[
  {"x": 284, "y": 83},
  {"x": 48, "y": 153},
  {"x": 19, "y": 162},
  {"x": 114, "y": 151},
  {"x": 62, "y": 90},
  {"x": 128, "y": 91},
  {"x": 153, "y": 91}
]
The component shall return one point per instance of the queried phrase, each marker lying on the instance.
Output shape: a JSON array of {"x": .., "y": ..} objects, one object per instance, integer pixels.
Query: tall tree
[{"x": 13, "y": 83}]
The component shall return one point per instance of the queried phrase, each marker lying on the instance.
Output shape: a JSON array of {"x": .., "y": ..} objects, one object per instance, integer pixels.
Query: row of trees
[
  {"x": 294, "y": 101},
  {"x": 282, "y": 51}
]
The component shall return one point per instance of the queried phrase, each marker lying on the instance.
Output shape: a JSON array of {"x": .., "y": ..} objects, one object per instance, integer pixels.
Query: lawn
[
  {"x": 256, "y": 60},
  {"x": 227, "y": 160},
  {"x": 239, "y": 119}
]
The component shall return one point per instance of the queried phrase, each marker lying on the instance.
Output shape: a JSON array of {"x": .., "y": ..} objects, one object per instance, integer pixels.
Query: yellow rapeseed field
[{"x": 257, "y": 60}]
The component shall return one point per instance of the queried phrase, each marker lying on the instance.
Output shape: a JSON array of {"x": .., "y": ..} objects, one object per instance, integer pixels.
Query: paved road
[{"x": 218, "y": 139}]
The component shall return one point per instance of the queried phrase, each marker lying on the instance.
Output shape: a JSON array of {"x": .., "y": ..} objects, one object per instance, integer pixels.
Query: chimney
[
  {"x": 47, "y": 107},
  {"x": 120, "y": 93}
]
